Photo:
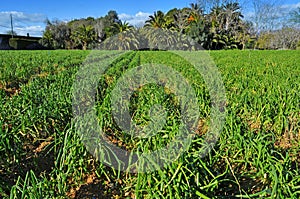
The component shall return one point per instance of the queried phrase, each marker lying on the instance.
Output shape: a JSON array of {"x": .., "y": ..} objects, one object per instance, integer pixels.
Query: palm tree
[
  {"x": 196, "y": 11},
  {"x": 161, "y": 39},
  {"x": 181, "y": 20},
  {"x": 231, "y": 15},
  {"x": 158, "y": 20},
  {"x": 121, "y": 27},
  {"x": 225, "y": 25},
  {"x": 84, "y": 35},
  {"x": 216, "y": 18},
  {"x": 124, "y": 39}
]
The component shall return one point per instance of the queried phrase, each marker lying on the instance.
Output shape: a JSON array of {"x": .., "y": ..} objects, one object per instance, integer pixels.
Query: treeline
[
  {"x": 223, "y": 27},
  {"x": 284, "y": 38},
  {"x": 79, "y": 33}
]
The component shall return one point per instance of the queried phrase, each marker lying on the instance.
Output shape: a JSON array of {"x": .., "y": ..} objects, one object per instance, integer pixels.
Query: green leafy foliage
[
  {"x": 257, "y": 155},
  {"x": 221, "y": 28}
]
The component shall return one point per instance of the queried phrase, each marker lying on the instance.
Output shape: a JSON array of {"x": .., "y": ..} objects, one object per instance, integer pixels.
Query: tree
[
  {"x": 158, "y": 20},
  {"x": 103, "y": 25},
  {"x": 109, "y": 20},
  {"x": 231, "y": 16},
  {"x": 285, "y": 38},
  {"x": 121, "y": 27},
  {"x": 223, "y": 27},
  {"x": 207, "y": 5},
  {"x": 84, "y": 35},
  {"x": 195, "y": 13},
  {"x": 196, "y": 9},
  {"x": 99, "y": 27},
  {"x": 159, "y": 30},
  {"x": 266, "y": 15},
  {"x": 181, "y": 19},
  {"x": 59, "y": 32},
  {"x": 90, "y": 21},
  {"x": 126, "y": 40},
  {"x": 112, "y": 17},
  {"x": 226, "y": 27},
  {"x": 47, "y": 39},
  {"x": 125, "y": 37},
  {"x": 245, "y": 35},
  {"x": 79, "y": 32}
]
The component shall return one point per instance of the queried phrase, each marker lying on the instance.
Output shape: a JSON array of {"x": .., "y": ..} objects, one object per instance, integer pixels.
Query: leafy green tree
[
  {"x": 74, "y": 24},
  {"x": 103, "y": 25},
  {"x": 79, "y": 32},
  {"x": 196, "y": 9},
  {"x": 125, "y": 37},
  {"x": 194, "y": 13},
  {"x": 59, "y": 32},
  {"x": 157, "y": 20},
  {"x": 197, "y": 26},
  {"x": 231, "y": 15},
  {"x": 121, "y": 27},
  {"x": 159, "y": 38},
  {"x": 245, "y": 36},
  {"x": 181, "y": 22},
  {"x": 108, "y": 21},
  {"x": 112, "y": 17},
  {"x": 47, "y": 39},
  {"x": 264, "y": 41},
  {"x": 84, "y": 35},
  {"x": 159, "y": 30},
  {"x": 221, "y": 28},
  {"x": 226, "y": 26}
]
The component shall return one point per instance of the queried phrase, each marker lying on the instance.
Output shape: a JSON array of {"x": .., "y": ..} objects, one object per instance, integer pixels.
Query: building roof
[{"x": 20, "y": 37}]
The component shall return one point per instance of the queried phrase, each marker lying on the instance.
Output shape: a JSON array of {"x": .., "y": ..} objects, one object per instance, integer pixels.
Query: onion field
[{"x": 257, "y": 154}]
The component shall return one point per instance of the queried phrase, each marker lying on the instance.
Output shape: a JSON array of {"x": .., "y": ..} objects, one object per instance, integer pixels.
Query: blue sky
[{"x": 29, "y": 15}]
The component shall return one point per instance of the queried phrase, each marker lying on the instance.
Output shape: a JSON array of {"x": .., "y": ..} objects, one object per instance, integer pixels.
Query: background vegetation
[{"x": 212, "y": 24}]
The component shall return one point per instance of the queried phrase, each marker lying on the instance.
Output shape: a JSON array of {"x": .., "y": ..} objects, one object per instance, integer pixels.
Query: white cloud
[
  {"x": 23, "y": 22},
  {"x": 136, "y": 20},
  {"x": 290, "y": 6},
  {"x": 32, "y": 30}
]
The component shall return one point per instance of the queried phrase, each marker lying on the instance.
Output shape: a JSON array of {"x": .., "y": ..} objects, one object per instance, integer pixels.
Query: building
[{"x": 7, "y": 42}]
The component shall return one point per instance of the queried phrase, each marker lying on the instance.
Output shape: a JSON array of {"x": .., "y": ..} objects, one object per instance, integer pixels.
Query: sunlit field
[{"x": 256, "y": 156}]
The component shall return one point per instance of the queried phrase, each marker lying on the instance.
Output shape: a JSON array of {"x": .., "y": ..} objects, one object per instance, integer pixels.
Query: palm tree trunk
[{"x": 84, "y": 47}]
